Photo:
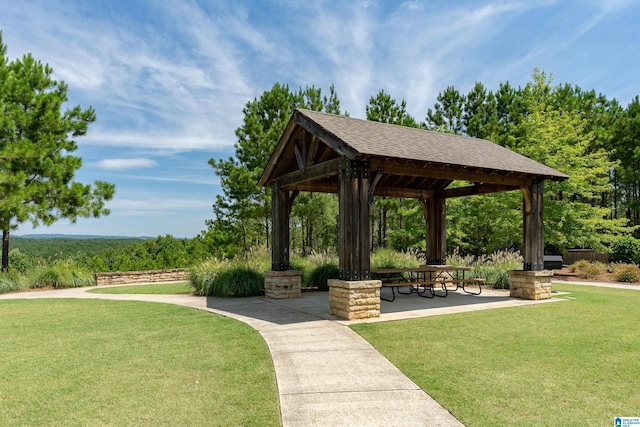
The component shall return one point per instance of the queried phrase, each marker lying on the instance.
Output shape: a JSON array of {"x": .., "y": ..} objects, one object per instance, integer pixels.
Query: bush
[
  {"x": 19, "y": 261},
  {"x": 589, "y": 270},
  {"x": 388, "y": 258},
  {"x": 226, "y": 279},
  {"x": 626, "y": 250},
  {"x": 494, "y": 275},
  {"x": 627, "y": 273},
  {"x": 203, "y": 276},
  {"x": 257, "y": 258},
  {"x": 493, "y": 268},
  {"x": 321, "y": 273},
  {"x": 309, "y": 263},
  {"x": 239, "y": 281},
  {"x": 61, "y": 276},
  {"x": 10, "y": 282},
  {"x": 578, "y": 266}
]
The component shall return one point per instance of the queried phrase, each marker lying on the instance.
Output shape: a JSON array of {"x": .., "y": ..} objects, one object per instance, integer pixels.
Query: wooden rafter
[
  {"x": 328, "y": 138},
  {"x": 440, "y": 171},
  {"x": 311, "y": 173},
  {"x": 475, "y": 189}
]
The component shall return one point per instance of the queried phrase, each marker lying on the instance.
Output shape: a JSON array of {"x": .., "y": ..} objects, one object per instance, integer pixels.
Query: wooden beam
[
  {"x": 533, "y": 226},
  {"x": 338, "y": 145},
  {"x": 438, "y": 171},
  {"x": 354, "y": 250},
  {"x": 280, "y": 211},
  {"x": 405, "y": 193},
  {"x": 292, "y": 198},
  {"x": 316, "y": 187},
  {"x": 312, "y": 142},
  {"x": 435, "y": 212},
  {"x": 299, "y": 157},
  {"x": 311, "y": 173},
  {"x": 266, "y": 179},
  {"x": 474, "y": 189}
]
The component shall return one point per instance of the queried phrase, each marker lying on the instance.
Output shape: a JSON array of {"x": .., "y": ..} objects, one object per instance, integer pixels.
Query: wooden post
[
  {"x": 281, "y": 203},
  {"x": 533, "y": 227},
  {"x": 354, "y": 248},
  {"x": 435, "y": 214}
]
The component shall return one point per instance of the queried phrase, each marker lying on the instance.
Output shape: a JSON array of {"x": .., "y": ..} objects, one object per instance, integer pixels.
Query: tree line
[
  {"x": 587, "y": 136},
  {"x": 105, "y": 254}
]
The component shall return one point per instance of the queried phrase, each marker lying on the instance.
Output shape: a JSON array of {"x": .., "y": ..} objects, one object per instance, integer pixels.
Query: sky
[{"x": 169, "y": 79}]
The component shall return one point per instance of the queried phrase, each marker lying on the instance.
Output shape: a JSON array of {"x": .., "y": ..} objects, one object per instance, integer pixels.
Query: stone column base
[
  {"x": 351, "y": 300},
  {"x": 534, "y": 285},
  {"x": 282, "y": 284}
]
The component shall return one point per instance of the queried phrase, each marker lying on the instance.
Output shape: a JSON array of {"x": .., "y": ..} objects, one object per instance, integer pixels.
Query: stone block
[
  {"x": 532, "y": 285},
  {"x": 283, "y": 284},
  {"x": 352, "y": 300}
]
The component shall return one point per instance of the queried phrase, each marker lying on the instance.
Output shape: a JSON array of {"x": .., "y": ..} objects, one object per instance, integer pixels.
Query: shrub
[
  {"x": 257, "y": 258},
  {"x": 238, "y": 281},
  {"x": 10, "y": 282},
  {"x": 493, "y": 268},
  {"x": 578, "y": 266},
  {"x": 589, "y": 270},
  {"x": 494, "y": 275},
  {"x": 456, "y": 259},
  {"x": 203, "y": 276},
  {"x": 321, "y": 273},
  {"x": 626, "y": 250},
  {"x": 304, "y": 266},
  {"x": 20, "y": 261},
  {"x": 627, "y": 273},
  {"x": 388, "y": 258},
  {"x": 61, "y": 276}
]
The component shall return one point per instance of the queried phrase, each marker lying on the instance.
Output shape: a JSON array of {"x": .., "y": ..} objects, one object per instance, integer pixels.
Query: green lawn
[
  {"x": 575, "y": 362},
  {"x": 154, "y": 288},
  {"x": 85, "y": 362}
]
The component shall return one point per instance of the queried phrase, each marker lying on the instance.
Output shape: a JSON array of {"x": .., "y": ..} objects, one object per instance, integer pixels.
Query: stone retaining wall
[{"x": 149, "y": 276}]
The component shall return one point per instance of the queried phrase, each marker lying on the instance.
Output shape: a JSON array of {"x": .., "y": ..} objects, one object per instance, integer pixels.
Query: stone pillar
[
  {"x": 282, "y": 284},
  {"x": 352, "y": 300},
  {"x": 534, "y": 285}
]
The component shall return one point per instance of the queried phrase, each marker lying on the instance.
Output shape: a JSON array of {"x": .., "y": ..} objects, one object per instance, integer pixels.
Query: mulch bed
[{"x": 566, "y": 274}]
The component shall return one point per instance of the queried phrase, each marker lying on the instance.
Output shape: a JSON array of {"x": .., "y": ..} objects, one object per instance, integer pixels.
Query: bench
[{"x": 415, "y": 279}]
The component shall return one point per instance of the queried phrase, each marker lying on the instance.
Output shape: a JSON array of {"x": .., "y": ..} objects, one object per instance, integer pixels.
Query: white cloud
[
  {"x": 119, "y": 164},
  {"x": 156, "y": 205},
  {"x": 188, "y": 180}
]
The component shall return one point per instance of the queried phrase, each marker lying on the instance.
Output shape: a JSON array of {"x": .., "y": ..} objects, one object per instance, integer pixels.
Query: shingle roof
[{"x": 370, "y": 138}]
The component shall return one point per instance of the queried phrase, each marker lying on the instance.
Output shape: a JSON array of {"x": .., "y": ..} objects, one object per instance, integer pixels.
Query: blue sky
[{"x": 169, "y": 79}]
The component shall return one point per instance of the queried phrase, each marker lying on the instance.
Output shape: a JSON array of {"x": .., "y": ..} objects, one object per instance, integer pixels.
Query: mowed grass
[
  {"x": 154, "y": 288},
  {"x": 85, "y": 362},
  {"x": 575, "y": 362}
]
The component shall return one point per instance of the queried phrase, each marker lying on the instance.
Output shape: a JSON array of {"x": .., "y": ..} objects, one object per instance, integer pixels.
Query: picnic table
[{"x": 424, "y": 280}]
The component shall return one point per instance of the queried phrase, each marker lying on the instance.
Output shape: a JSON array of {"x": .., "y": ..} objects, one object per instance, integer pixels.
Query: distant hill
[{"x": 60, "y": 246}]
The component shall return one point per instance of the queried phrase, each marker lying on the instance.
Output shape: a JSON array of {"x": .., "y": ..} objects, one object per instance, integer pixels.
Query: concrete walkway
[{"x": 326, "y": 373}]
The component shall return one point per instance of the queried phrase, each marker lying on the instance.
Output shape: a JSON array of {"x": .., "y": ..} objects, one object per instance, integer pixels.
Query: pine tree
[{"x": 36, "y": 142}]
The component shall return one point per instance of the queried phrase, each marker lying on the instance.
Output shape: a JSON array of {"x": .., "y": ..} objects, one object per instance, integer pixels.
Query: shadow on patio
[{"x": 314, "y": 306}]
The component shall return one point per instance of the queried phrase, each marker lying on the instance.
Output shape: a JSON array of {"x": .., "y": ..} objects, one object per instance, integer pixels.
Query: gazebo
[{"x": 359, "y": 159}]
